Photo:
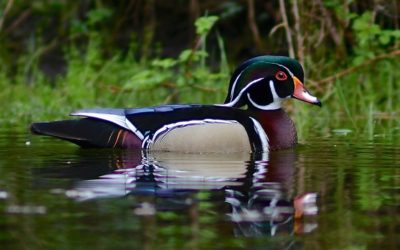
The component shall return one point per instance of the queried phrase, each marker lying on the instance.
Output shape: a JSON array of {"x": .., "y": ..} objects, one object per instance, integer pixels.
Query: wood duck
[{"x": 260, "y": 83}]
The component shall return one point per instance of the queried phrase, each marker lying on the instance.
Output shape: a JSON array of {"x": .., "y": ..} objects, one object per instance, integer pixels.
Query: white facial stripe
[
  {"x": 283, "y": 66},
  {"x": 234, "y": 84},
  {"x": 273, "y": 91},
  {"x": 231, "y": 103},
  {"x": 276, "y": 103}
]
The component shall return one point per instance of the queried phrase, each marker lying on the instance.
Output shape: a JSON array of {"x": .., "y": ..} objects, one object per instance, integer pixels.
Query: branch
[
  {"x": 275, "y": 28},
  {"x": 6, "y": 10},
  {"x": 21, "y": 18},
  {"x": 299, "y": 36},
  {"x": 205, "y": 89},
  {"x": 253, "y": 25},
  {"x": 287, "y": 28},
  {"x": 357, "y": 67},
  {"x": 329, "y": 23}
]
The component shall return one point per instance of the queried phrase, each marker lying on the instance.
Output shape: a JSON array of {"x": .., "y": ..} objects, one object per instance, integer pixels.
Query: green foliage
[
  {"x": 370, "y": 37},
  {"x": 118, "y": 81},
  {"x": 101, "y": 71},
  {"x": 362, "y": 103}
]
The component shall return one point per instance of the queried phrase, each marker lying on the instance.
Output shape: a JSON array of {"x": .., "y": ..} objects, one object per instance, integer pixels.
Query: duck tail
[{"x": 86, "y": 132}]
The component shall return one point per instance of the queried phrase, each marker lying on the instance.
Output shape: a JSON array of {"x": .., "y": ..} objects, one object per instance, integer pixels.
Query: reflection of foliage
[{"x": 358, "y": 185}]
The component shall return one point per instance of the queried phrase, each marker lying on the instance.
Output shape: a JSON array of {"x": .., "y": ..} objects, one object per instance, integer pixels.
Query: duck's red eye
[{"x": 281, "y": 76}]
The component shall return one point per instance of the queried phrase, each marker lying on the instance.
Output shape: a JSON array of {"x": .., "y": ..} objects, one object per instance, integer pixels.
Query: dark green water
[{"x": 54, "y": 195}]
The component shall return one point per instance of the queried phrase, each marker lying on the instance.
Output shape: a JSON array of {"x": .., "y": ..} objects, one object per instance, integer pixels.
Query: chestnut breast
[{"x": 279, "y": 128}]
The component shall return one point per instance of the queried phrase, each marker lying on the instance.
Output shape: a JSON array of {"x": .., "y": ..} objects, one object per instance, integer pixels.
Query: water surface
[{"x": 331, "y": 192}]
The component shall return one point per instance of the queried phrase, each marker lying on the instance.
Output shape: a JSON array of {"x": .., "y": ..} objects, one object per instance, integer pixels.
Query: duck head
[{"x": 264, "y": 82}]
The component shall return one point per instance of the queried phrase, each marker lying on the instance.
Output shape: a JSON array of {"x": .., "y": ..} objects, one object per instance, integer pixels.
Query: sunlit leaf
[{"x": 204, "y": 24}]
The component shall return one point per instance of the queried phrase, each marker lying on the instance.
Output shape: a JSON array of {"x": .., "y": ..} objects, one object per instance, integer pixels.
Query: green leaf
[
  {"x": 185, "y": 55},
  {"x": 395, "y": 33},
  {"x": 384, "y": 38},
  {"x": 358, "y": 60},
  {"x": 363, "y": 22},
  {"x": 374, "y": 29},
  {"x": 166, "y": 63},
  {"x": 98, "y": 15},
  {"x": 204, "y": 24}
]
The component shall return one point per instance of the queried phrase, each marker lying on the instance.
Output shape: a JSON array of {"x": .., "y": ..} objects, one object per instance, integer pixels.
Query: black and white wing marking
[{"x": 116, "y": 116}]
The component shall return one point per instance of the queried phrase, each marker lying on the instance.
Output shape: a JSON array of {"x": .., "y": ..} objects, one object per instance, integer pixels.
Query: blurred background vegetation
[{"x": 58, "y": 55}]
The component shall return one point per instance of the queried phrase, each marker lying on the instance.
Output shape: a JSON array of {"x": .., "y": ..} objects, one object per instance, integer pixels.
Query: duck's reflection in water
[
  {"x": 269, "y": 204},
  {"x": 258, "y": 188}
]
